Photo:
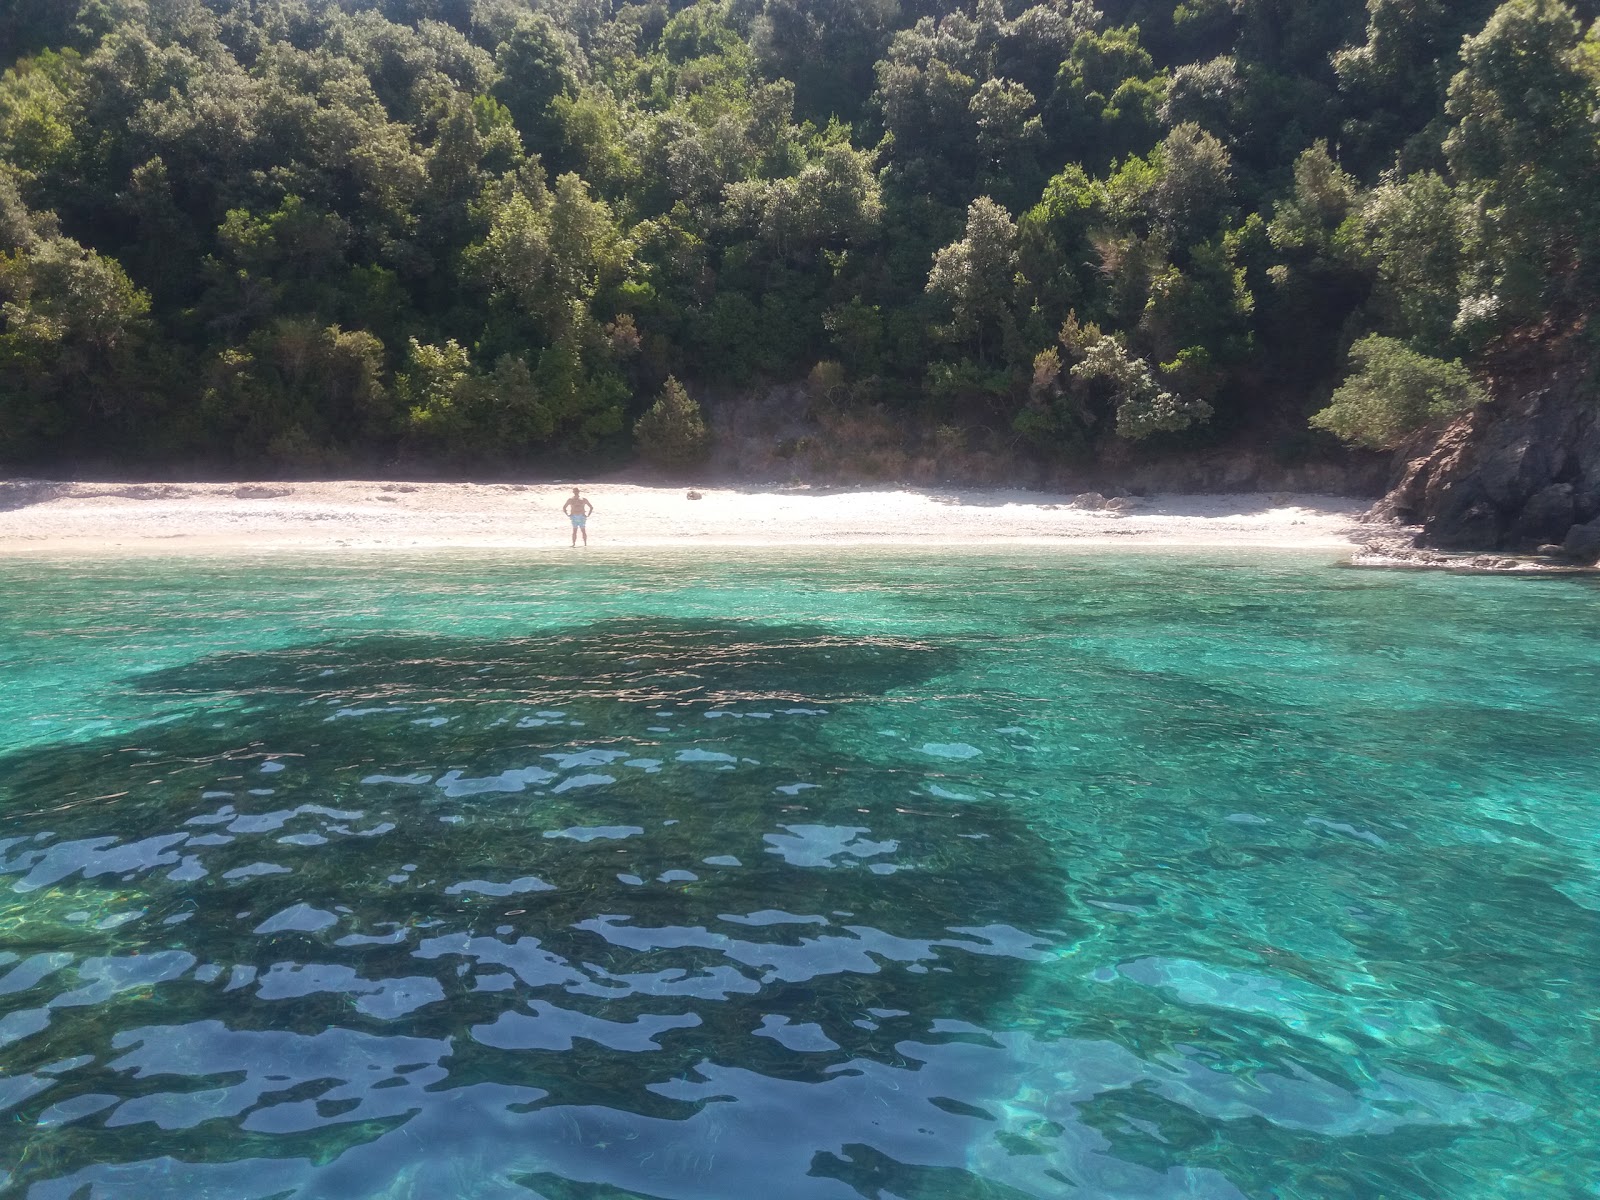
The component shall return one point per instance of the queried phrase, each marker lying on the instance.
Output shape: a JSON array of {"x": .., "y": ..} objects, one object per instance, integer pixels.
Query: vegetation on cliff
[
  {"x": 301, "y": 233},
  {"x": 1393, "y": 390}
]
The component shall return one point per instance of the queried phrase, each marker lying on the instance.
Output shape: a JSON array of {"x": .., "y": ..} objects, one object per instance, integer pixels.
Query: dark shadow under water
[{"x": 544, "y": 908}]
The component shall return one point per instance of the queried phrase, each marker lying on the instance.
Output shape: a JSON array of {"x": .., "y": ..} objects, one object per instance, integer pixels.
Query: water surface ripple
[{"x": 688, "y": 878}]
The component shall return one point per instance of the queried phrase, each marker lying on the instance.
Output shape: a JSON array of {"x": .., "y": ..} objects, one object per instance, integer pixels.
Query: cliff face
[{"x": 1518, "y": 473}]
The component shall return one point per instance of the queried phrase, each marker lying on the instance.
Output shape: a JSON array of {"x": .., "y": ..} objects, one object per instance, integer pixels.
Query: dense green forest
[{"x": 306, "y": 234}]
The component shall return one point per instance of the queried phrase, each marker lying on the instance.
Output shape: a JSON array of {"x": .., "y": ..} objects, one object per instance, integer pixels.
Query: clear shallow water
[{"x": 995, "y": 875}]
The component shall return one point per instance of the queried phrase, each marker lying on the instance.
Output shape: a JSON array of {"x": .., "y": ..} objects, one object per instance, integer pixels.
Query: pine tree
[{"x": 673, "y": 433}]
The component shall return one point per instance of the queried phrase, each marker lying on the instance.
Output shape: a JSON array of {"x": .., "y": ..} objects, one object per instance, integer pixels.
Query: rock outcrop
[{"x": 1516, "y": 474}]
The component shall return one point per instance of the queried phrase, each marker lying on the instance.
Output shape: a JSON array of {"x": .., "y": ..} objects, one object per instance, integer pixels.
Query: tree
[
  {"x": 1008, "y": 136},
  {"x": 1395, "y": 82},
  {"x": 515, "y": 255},
  {"x": 535, "y": 65},
  {"x": 1106, "y": 98},
  {"x": 1070, "y": 405},
  {"x": 924, "y": 93},
  {"x": 300, "y": 394},
  {"x": 548, "y": 250},
  {"x": 672, "y": 433},
  {"x": 833, "y": 202},
  {"x": 1323, "y": 197},
  {"x": 20, "y": 227},
  {"x": 72, "y": 332},
  {"x": 1413, "y": 234},
  {"x": 1205, "y": 305},
  {"x": 1143, "y": 407},
  {"x": 588, "y": 252},
  {"x": 1030, "y": 47},
  {"x": 1054, "y": 253},
  {"x": 35, "y": 112},
  {"x": 470, "y": 416},
  {"x": 1194, "y": 185},
  {"x": 28, "y": 26},
  {"x": 1208, "y": 94},
  {"x": 828, "y": 47},
  {"x": 564, "y": 201},
  {"x": 975, "y": 277},
  {"x": 431, "y": 387},
  {"x": 295, "y": 243},
  {"x": 593, "y": 142},
  {"x": 1392, "y": 391},
  {"x": 1524, "y": 149}
]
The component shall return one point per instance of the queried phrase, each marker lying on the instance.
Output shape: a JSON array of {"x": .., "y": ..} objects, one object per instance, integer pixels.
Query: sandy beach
[{"x": 41, "y": 517}]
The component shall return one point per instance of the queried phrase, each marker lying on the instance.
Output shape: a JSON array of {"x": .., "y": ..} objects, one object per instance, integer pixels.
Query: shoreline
[{"x": 42, "y": 518}]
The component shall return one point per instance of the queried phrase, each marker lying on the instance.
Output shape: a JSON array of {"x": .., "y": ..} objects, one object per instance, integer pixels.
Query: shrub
[
  {"x": 672, "y": 433},
  {"x": 827, "y": 381},
  {"x": 1142, "y": 406},
  {"x": 949, "y": 440},
  {"x": 1392, "y": 391}
]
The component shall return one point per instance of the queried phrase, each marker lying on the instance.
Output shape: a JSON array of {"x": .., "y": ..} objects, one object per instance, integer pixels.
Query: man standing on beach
[{"x": 578, "y": 508}]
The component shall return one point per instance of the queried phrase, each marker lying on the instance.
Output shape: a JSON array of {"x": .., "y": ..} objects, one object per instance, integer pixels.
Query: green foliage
[
  {"x": 1310, "y": 219},
  {"x": 72, "y": 328},
  {"x": 1414, "y": 238},
  {"x": 497, "y": 417},
  {"x": 1392, "y": 391},
  {"x": 35, "y": 112},
  {"x": 1106, "y": 385},
  {"x": 433, "y": 383},
  {"x": 298, "y": 394},
  {"x": 1107, "y": 97},
  {"x": 20, "y": 229},
  {"x": 535, "y": 69},
  {"x": 857, "y": 330},
  {"x": 1525, "y": 150},
  {"x": 827, "y": 47},
  {"x": 968, "y": 386},
  {"x": 1143, "y": 407},
  {"x": 1194, "y": 184},
  {"x": 308, "y": 233},
  {"x": 834, "y": 201},
  {"x": 1396, "y": 80},
  {"x": 1009, "y": 135},
  {"x": 1209, "y": 94},
  {"x": 975, "y": 277},
  {"x": 672, "y": 432},
  {"x": 1206, "y": 304}
]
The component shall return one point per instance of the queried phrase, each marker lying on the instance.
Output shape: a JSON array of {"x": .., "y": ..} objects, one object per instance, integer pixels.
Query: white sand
[{"x": 100, "y": 519}]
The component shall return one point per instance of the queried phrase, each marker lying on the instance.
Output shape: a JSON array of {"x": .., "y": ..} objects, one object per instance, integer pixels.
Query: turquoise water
[{"x": 707, "y": 876}]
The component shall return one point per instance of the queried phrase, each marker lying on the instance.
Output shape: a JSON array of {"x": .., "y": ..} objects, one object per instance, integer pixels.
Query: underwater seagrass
[{"x": 540, "y": 896}]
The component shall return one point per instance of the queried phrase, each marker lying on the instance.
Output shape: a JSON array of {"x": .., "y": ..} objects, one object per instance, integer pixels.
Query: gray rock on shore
[
  {"x": 1583, "y": 542},
  {"x": 1516, "y": 474}
]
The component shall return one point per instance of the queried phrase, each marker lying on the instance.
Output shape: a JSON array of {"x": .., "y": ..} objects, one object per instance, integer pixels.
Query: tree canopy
[{"x": 309, "y": 233}]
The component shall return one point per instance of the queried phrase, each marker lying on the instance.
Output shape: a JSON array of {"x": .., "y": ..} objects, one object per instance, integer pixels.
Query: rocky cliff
[{"x": 1520, "y": 474}]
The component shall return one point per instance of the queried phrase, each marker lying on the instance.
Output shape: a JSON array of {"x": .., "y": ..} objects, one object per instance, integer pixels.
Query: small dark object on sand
[{"x": 694, "y": 496}]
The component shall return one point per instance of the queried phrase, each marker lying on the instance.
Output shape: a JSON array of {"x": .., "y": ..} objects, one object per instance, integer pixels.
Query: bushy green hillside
[{"x": 300, "y": 233}]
